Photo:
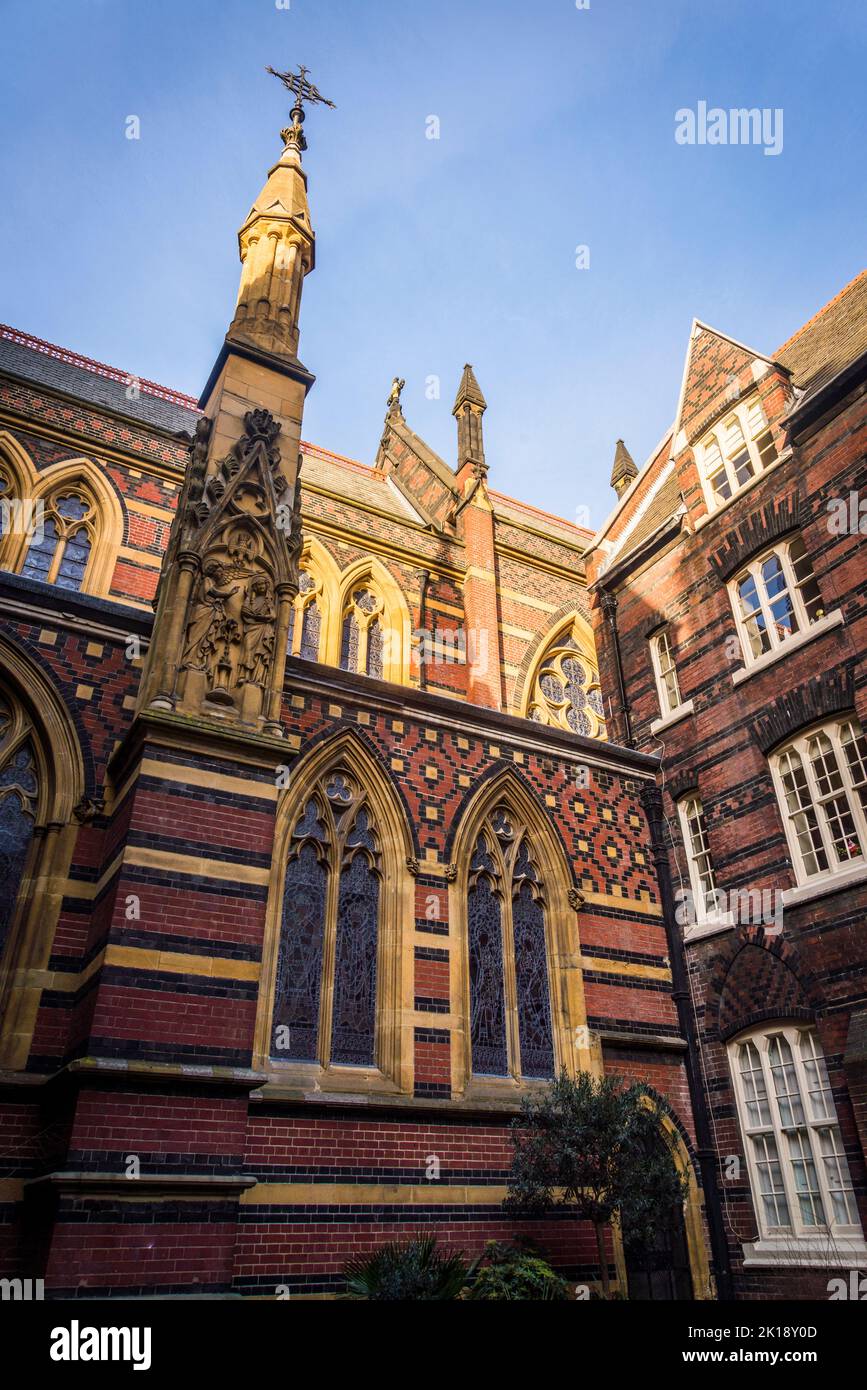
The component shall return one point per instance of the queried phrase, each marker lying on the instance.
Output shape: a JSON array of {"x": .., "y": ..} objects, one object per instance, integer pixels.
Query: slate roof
[
  {"x": 32, "y": 359},
  {"x": 830, "y": 340}
]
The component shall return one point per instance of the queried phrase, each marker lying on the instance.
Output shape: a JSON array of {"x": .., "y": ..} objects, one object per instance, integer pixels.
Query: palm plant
[{"x": 416, "y": 1269}]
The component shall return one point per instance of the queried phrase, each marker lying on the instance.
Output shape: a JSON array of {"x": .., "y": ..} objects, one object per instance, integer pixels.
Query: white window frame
[
  {"x": 794, "y": 587},
  {"x": 660, "y": 672},
  {"x": 714, "y": 449},
  {"x": 842, "y": 734},
  {"x": 811, "y": 1126}
]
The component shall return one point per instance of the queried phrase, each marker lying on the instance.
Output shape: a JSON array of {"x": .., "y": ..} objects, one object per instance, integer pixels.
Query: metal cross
[{"x": 301, "y": 89}]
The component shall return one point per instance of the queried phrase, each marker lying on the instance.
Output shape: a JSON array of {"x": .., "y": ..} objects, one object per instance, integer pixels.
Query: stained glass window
[
  {"x": 19, "y": 794},
  {"x": 487, "y": 1000},
  {"x": 566, "y": 690},
  {"x": 506, "y": 917},
  {"x": 327, "y": 961},
  {"x": 59, "y": 553},
  {"x": 361, "y": 635}
]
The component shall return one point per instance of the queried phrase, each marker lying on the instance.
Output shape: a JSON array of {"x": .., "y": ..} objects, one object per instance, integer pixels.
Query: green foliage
[
  {"x": 414, "y": 1270},
  {"x": 516, "y": 1272},
  {"x": 597, "y": 1147}
]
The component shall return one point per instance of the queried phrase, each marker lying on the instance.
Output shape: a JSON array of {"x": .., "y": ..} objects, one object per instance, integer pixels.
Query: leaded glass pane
[
  {"x": 531, "y": 978},
  {"x": 311, "y": 626},
  {"x": 38, "y": 560},
  {"x": 374, "y": 650},
  {"x": 74, "y": 561},
  {"x": 349, "y": 643},
  {"x": 299, "y": 967},
  {"x": 354, "y": 1020},
  {"x": 16, "y": 830},
  {"x": 487, "y": 1002}
]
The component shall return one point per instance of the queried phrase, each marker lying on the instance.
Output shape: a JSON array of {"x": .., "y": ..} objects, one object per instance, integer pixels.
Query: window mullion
[
  {"x": 764, "y": 601},
  {"x": 329, "y": 955}
]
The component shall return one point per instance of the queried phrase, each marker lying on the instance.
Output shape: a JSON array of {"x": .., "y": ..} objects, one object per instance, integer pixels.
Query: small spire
[
  {"x": 469, "y": 391},
  {"x": 469, "y": 407},
  {"x": 624, "y": 469}
]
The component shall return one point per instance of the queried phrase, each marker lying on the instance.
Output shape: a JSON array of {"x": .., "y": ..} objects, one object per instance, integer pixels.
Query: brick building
[
  {"x": 316, "y": 855},
  {"x": 729, "y": 610}
]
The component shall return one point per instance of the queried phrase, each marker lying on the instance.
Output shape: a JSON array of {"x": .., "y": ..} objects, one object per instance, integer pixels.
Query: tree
[{"x": 594, "y": 1146}]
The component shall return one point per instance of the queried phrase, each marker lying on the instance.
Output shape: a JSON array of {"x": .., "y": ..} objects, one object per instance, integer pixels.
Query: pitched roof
[
  {"x": 830, "y": 340},
  {"x": 59, "y": 369}
]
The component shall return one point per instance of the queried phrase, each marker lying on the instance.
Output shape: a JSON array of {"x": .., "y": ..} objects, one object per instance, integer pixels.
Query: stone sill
[
  {"x": 800, "y": 1252},
  {"x": 711, "y": 926},
  {"x": 822, "y": 887},
  {"x": 792, "y": 644},
  {"x": 673, "y": 718},
  {"x": 187, "y": 1184}
]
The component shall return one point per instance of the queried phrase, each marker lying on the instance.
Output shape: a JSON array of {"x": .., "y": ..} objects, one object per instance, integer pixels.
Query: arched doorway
[{"x": 659, "y": 1269}]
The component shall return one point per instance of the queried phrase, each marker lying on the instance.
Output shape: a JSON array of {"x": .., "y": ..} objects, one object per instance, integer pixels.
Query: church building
[{"x": 325, "y": 836}]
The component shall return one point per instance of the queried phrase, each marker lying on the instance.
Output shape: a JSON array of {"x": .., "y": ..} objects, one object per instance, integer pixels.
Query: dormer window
[{"x": 734, "y": 452}]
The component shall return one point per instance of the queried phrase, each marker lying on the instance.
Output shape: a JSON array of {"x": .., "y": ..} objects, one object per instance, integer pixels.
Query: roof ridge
[
  {"x": 89, "y": 364},
  {"x": 320, "y": 449},
  {"x": 552, "y": 516},
  {"x": 819, "y": 312}
]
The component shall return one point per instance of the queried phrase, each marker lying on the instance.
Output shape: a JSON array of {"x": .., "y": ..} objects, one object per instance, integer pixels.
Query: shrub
[{"x": 516, "y": 1272}]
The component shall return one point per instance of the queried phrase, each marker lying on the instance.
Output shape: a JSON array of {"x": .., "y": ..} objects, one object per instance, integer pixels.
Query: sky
[{"x": 557, "y": 130}]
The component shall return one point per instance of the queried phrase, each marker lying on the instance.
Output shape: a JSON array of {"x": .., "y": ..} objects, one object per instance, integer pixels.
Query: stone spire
[
  {"x": 469, "y": 407},
  {"x": 230, "y": 573},
  {"x": 624, "y": 469},
  {"x": 277, "y": 248}
]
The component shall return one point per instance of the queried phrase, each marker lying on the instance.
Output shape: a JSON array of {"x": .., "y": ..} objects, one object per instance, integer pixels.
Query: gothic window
[
  {"x": 305, "y": 629},
  {"x": 19, "y": 795},
  {"x": 62, "y": 539},
  {"x": 775, "y": 597},
  {"x": 821, "y": 782},
  {"x": 325, "y": 995},
  {"x": 734, "y": 452},
  {"x": 798, "y": 1170},
  {"x": 361, "y": 633},
  {"x": 566, "y": 689},
  {"x": 510, "y": 996}
]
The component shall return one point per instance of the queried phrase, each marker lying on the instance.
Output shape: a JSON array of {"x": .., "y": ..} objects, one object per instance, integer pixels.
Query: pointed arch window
[
  {"x": 326, "y": 985},
  {"x": 19, "y": 796},
  {"x": 566, "y": 689},
  {"x": 510, "y": 993},
  {"x": 305, "y": 627},
  {"x": 361, "y": 633},
  {"x": 60, "y": 548}
]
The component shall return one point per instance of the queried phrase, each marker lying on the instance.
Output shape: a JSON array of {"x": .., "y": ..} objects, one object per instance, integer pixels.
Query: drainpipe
[
  {"x": 609, "y": 608},
  {"x": 651, "y": 800},
  {"x": 424, "y": 577}
]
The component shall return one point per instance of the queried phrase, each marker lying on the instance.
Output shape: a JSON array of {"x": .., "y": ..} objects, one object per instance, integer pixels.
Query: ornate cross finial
[{"x": 302, "y": 90}]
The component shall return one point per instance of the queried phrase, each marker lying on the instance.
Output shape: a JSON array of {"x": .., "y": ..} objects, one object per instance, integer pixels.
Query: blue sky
[{"x": 556, "y": 130}]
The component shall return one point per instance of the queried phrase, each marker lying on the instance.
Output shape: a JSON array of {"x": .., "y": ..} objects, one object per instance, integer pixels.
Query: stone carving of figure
[
  {"x": 208, "y": 624},
  {"x": 397, "y": 386},
  {"x": 258, "y": 616}
]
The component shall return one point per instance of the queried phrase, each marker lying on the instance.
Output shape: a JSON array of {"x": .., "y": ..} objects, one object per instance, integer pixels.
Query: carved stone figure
[
  {"x": 397, "y": 386},
  {"x": 209, "y": 624},
  {"x": 258, "y": 616}
]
